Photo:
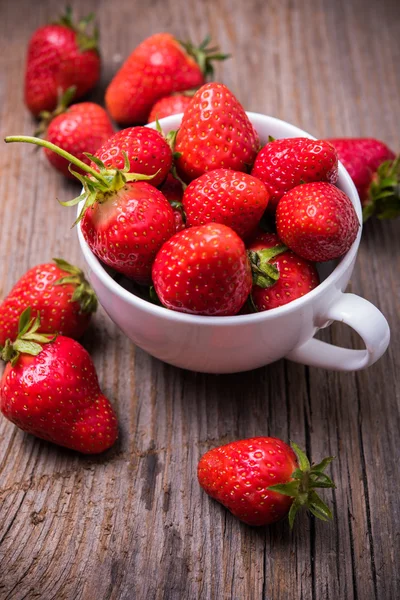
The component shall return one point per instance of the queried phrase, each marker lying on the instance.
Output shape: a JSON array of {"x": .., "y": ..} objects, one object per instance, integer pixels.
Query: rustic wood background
[{"x": 133, "y": 524}]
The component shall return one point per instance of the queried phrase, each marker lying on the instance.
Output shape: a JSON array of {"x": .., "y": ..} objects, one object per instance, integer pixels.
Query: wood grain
[{"x": 133, "y": 524}]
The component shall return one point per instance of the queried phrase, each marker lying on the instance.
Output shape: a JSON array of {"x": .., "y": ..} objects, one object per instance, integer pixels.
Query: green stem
[{"x": 70, "y": 157}]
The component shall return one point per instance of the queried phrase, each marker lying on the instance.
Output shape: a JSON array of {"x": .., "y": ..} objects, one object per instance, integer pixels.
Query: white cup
[{"x": 244, "y": 342}]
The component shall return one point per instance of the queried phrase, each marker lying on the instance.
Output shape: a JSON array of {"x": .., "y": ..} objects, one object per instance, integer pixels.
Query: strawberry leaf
[
  {"x": 304, "y": 463},
  {"x": 320, "y": 467},
  {"x": 292, "y": 512},
  {"x": 287, "y": 489},
  {"x": 24, "y": 321}
]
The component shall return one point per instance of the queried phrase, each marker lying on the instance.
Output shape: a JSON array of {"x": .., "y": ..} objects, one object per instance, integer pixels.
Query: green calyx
[
  {"x": 29, "y": 340},
  {"x": 384, "y": 192},
  {"x": 265, "y": 274},
  {"x": 102, "y": 184},
  {"x": 85, "y": 39},
  {"x": 84, "y": 293},
  {"x": 204, "y": 55},
  {"x": 305, "y": 480},
  {"x": 170, "y": 138},
  {"x": 46, "y": 116}
]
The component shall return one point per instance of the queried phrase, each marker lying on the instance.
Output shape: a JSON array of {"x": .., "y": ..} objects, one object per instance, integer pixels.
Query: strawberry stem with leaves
[
  {"x": 83, "y": 293},
  {"x": 29, "y": 339},
  {"x": 305, "y": 480},
  {"x": 384, "y": 192},
  {"x": 103, "y": 183}
]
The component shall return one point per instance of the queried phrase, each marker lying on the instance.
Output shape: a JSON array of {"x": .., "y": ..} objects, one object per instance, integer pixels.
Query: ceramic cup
[{"x": 241, "y": 343}]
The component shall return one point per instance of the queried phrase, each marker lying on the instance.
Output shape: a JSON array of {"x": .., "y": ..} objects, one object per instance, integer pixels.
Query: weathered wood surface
[{"x": 133, "y": 524}]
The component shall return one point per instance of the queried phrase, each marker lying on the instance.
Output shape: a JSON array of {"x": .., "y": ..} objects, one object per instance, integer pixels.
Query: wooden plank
[{"x": 133, "y": 523}]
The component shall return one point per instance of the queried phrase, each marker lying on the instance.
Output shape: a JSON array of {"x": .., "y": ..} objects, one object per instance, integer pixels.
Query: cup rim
[{"x": 160, "y": 311}]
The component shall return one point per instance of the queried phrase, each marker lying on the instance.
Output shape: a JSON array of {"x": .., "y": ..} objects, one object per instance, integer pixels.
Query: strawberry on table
[
  {"x": 261, "y": 480},
  {"x": 375, "y": 171},
  {"x": 60, "y": 55},
  {"x": 159, "y": 66},
  {"x": 173, "y": 191},
  {"x": 317, "y": 221},
  {"x": 147, "y": 150},
  {"x": 230, "y": 197},
  {"x": 279, "y": 275},
  {"x": 215, "y": 133},
  {"x": 50, "y": 389},
  {"x": 81, "y": 128},
  {"x": 284, "y": 164},
  {"x": 124, "y": 219},
  {"x": 203, "y": 270},
  {"x": 170, "y": 105},
  {"x": 58, "y": 292}
]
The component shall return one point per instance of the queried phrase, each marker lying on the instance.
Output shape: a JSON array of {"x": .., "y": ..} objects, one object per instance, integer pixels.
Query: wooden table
[{"x": 133, "y": 524}]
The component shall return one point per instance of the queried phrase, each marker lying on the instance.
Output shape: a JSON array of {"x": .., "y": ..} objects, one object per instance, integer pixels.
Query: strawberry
[
  {"x": 82, "y": 127},
  {"x": 159, "y": 66},
  {"x": 147, "y": 150},
  {"x": 279, "y": 276},
  {"x": 317, "y": 221},
  {"x": 125, "y": 220},
  {"x": 261, "y": 480},
  {"x": 215, "y": 133},
  {"x": 283, "y": 164},
  {"x": 229, "y": 197},
  {"x": 170, "y": 105},
  {"x": 203, "y": 270},
  {"x": 173, "y": 191},
  {"x": 58, "y": 292},
  {"x": 50, "y": 388},
  {"x": 60, "y": 55},
  {"x": 376, "y": 174}
]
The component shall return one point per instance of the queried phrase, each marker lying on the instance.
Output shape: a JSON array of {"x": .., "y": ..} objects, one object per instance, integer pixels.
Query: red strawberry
[
  {"x": 60, "y": 55},
  {"x": 159, "y": 66},
  {"x": 229, "y": 197},
  {"x": 173, "y": 191},
  {"x": 127, "y": 233},
  {"x": 125, "y": 220},
  {"x": 261, "y": 480},
  {"x": 376, "y": 174},
  {"x": 279, "y": 276},
  {"x": 283, "y": 164},
  {"x": 50, "y": 389},
  {"x": 147, "y": 150},
  {"x": 58, "y": 292},
  {"x": 81, "y": 128},
  {"x": 170, "y": 105},
  {"x": 317, "y": 221},
  {"x": 215, "y": 133},
  {"x": 203, "y": 271}
]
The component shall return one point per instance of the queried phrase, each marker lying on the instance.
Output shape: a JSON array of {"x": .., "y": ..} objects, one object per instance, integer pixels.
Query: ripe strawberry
[
  {"x": 147, "y": 150},
  {"x": 376, "y": 174},
  {"x": 60, "y": 55},
  {"x": 203, "y": 271},
  {"x": 159, "y": 66},
  {"x": 283, "y": 164},
  {"x": 279, "y": 276},
  {"x": 215, "y": 133},
  {"x": 81, "y": 128},
  {"x": 58, "y": 292},
  {"x": 317, "y": 221},
  {"x": 229, "y": 197},
  {"x": 261, "y": 480},
  {"x": 170, "y": 105},
  {"x": 50, "y": 389},
  {"x": 173, "y": 191},
  {"x": 125, "y": 220}
]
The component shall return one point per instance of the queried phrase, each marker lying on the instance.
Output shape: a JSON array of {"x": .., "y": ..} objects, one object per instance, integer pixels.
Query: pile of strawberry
[{"x": 209, "y": 219}]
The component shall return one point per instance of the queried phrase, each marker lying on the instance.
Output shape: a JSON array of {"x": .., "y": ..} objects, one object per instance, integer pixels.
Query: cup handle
[{"x": 364, "y": 318}]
